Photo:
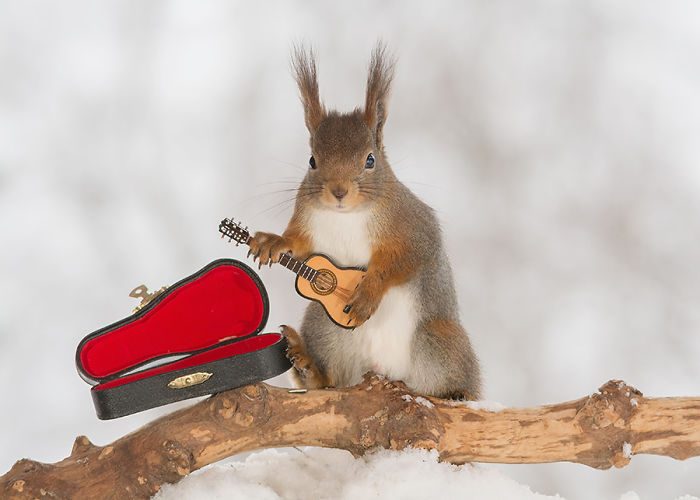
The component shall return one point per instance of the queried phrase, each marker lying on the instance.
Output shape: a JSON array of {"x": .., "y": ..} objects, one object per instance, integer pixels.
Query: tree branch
[{"x": 601, "y": 430}]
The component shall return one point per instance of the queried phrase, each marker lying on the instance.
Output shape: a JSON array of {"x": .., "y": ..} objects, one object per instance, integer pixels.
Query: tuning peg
[
  {"x": 229, "y": 240},
  {"x": 223, "y": 236},
  {"x": 246, "y": 228},
  {"x": 236, "y": 243}
]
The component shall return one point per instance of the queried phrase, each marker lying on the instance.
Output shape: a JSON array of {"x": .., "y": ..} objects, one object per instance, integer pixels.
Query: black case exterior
[{"x": 225, "y": 373}]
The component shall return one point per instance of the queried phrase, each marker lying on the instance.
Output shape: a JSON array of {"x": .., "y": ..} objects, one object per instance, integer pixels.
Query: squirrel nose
[{"x": 339, "y": 193}]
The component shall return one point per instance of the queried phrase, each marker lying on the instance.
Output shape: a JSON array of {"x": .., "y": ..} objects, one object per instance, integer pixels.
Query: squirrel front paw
[
  {"x": 267, "y": 247},
  {"x": 304, "y": 371},
  {"x": 296, "y": 351},
  {"x": 363, "y": 302}
]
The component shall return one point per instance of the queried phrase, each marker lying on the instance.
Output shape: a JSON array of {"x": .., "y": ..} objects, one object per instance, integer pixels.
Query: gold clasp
[
  {"x": 189, "y": 380},
  {"x": 141, "y": 292}
]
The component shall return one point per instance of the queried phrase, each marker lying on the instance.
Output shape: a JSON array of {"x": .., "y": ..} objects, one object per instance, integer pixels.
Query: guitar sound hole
[{"x": 324, "y": 283}]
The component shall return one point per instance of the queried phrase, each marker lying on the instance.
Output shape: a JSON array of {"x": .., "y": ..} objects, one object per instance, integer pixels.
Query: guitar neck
[
  {"x": 228, "y": 227},
  {"x": 298, "y": 267},
  {"x": 294, "y": 265}
]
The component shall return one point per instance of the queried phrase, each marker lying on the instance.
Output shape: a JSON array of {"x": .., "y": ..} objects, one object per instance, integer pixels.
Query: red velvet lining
[
  {"x": 247, "y": 345},
  {"x": 223, "y": 303}
]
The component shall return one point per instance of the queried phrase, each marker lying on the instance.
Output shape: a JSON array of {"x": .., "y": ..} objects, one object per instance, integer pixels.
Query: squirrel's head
[{"x": 348, "y": 169}]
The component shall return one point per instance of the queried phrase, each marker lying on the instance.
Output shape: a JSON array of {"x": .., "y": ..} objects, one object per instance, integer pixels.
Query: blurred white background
[{"x": 558, "y": 142}]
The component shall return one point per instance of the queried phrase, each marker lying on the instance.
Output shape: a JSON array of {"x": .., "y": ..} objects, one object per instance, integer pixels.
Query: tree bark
[{"x": 601, "y": 430}]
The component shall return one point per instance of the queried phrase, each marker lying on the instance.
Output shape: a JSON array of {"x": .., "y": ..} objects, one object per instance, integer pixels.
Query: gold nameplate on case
[{"x": 189, "y": 380}]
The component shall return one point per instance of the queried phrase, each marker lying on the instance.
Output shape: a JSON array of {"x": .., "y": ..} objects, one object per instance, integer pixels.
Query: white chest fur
[
  {"x": 383, "y": 342},
  {"x": 386, "y": 337},
  {"x": 342, "y": 236}
]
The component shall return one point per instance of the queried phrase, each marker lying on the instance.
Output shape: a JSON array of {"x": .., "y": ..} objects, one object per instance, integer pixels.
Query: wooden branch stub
[
  {"x": 601, "y": 430},
  {"x": 605, "y": 420}
]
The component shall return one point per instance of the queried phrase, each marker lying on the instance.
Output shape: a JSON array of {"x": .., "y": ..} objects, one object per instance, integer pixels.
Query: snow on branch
[{"x": 601, "y": 430}]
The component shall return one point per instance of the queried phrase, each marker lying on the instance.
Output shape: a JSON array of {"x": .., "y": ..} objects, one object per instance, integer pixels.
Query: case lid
[{"x": 221, "y": 304}]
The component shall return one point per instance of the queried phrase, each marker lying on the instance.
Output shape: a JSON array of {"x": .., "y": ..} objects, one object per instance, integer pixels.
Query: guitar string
[
  {"x": 324, "y": 281},
  {"x": 338, "y": 291},
  {"x": 320, "y": 279}
]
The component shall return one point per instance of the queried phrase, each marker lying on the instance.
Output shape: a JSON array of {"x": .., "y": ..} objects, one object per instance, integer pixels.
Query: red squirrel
[{"x": 351, "y": 207}]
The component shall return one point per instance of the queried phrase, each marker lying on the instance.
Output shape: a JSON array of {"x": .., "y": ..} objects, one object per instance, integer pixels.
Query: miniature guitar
[{"x": 317, "y": 277}]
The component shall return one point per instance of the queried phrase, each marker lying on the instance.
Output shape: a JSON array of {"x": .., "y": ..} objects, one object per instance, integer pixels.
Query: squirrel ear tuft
[
  {"x": 304, "y": 67},
  {"x": 381, "y": 72}
]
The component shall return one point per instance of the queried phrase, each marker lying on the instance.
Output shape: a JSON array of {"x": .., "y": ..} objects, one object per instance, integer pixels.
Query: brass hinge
[{"x": 141, "y": 292}]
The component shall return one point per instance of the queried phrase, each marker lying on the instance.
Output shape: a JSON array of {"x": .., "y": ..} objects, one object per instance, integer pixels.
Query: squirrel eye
[
  {"x": 370, "y": 161},
  {"x": 312, "y": 163}
]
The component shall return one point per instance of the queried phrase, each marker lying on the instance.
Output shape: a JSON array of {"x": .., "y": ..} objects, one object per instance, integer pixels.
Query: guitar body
[{"x": 333, "y": 289}]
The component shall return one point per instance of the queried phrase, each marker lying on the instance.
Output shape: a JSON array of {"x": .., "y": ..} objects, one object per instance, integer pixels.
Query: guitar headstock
[{"x": 234, "y": 231}]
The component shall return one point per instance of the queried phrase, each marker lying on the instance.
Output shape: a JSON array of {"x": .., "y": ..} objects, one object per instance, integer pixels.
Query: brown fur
[
  {"x": 305, "y": 71},
  {"x": 381, "y": 73},
  {"x": 384, "y": 271},
  {"x": 406, "y": 249},
  {"x": 268, "y": 246}
]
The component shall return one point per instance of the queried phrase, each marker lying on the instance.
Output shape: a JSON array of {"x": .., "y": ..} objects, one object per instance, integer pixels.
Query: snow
[
  {"x": 630, "y": 495},
  {"x": 482, "y": 405},
  {"x": 421, "y": 400},
  {"x": 335, "y": 475}
]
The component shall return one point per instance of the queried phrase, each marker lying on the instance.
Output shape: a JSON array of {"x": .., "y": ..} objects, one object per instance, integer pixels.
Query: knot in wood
[
  {"x": 619, "y": 389},
  {"x": 605, "y": 418},
  {"x": 178, "y": 460},
  {"x": 404, "y": 420},
  {"x": 611, "y": 406},
  {"x": 598, "y": 413},
  {"x": 225, "y": 407},
  {"x": 254, "y": 392},
  {"x": 243, "y": 406}
]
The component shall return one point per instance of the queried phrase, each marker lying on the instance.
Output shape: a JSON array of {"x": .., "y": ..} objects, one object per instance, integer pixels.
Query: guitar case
[{"x": 200, "y": 336}]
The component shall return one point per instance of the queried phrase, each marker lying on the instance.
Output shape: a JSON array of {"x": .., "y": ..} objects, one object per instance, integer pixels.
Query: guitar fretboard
[
  {"x": 229, "y": 228},
  {"x": 298, "y": 268}
]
